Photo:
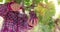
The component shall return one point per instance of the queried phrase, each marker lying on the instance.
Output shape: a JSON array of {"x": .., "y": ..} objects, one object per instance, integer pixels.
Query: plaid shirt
[{"x": 13, "y": 21}]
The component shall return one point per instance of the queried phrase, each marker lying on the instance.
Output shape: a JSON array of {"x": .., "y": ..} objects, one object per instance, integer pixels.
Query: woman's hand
[
  {"x": 33, "y": 19},
  {"x": 33, "y": 22}
]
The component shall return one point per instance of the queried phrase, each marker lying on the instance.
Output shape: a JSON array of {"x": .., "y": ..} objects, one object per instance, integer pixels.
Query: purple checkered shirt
[{"x": 13, "y": 21}]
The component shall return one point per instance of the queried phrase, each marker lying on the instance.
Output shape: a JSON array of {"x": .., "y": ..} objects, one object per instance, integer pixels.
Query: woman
[
  {"x": 7, "y": 11},
  {"x": 15, "y": 20}
]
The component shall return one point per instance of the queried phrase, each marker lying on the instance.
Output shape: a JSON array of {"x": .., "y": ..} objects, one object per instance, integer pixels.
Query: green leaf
[
  {"x": 0, "y": 0},
  {"x": 27, "y": 2}
]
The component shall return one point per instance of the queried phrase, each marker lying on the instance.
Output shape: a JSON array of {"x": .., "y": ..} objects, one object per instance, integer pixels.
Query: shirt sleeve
[{"x": 3, "y": 9}]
